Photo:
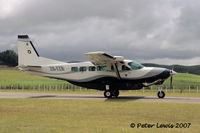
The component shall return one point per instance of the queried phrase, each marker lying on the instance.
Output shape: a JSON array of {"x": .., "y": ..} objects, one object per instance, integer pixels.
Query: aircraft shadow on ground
[
  {"x": 120, "y": 98},
  {"x": 67, "y": 97},
  {"x": 125, "y": 98},
  {"x": 43, "y": 96}
]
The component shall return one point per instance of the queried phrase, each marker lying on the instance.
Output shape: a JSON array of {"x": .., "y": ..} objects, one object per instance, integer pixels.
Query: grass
[
  {"x": 184, "y": 80},
  {"x": 77, "y": 116},
  {"x": 32, "y": 83},
  {"x": 16, "y": 77}
]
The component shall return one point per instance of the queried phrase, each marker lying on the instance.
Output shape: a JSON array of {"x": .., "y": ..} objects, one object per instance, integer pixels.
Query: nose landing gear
[{"x": 161, "y": 93}]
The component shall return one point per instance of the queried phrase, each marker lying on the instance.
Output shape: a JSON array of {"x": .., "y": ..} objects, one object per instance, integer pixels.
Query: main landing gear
[
  {"x": 161, "y": 93},
  {"x": 108, "y": 93}
]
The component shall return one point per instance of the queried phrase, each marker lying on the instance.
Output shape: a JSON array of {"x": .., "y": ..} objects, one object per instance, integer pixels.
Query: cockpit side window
[
  {"x": 125, "y": 68},
  {"x": 112, "y": 68},
  {"x": 135, "y": 65}
]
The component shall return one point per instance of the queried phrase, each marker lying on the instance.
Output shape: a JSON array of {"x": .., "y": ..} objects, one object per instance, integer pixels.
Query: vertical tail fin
[
  {"x": 27, "y": 54},
  {"x": 26, "y": 51}
]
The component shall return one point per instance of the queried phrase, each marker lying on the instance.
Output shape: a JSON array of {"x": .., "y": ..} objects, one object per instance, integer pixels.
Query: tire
[
  {"x": 161, "y": 94},
  {"x": 107, "y": 94},
  {"x": 115, "y": 93}
]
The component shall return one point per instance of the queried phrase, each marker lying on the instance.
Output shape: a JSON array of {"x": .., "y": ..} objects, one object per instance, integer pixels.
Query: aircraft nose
[
  {"x": 172, "y": 73},
  {"x": 169, "y": 72},
  {"x": 162, "y": 73}
]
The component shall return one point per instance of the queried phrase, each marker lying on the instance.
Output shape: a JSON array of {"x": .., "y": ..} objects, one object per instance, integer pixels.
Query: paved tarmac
[{"x": 194, "y": 100}]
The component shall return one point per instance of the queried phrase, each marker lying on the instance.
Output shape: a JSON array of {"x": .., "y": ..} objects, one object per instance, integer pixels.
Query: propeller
[
  {"x": 172, "y": 73},
  {"x": 171, "y": 79}
]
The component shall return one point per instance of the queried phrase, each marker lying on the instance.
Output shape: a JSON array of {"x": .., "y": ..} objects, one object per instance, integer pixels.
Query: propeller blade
[
  {"x": 171, "y": 81},
  {"x": 172, "y": 73}
]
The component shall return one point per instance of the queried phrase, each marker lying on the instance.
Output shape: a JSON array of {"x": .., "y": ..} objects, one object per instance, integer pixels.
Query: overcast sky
[{"x": 158, "y": 31}]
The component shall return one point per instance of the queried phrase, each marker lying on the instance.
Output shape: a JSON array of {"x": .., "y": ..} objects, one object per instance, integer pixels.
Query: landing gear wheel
[
  {"x": 161, "y": 94},
  {"x": 115, "y": 93},
  {"x": 107, "y": 94}
]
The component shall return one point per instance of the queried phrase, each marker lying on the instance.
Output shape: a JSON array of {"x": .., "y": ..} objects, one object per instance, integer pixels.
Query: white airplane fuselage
[{"x": 102, "y": 72}]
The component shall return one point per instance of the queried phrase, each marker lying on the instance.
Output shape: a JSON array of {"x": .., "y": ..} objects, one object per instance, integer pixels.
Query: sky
[{"x": 148, "y": 31}]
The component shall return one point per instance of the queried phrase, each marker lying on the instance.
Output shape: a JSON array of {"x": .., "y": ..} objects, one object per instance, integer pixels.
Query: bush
[{"x": 9, "y": 57}]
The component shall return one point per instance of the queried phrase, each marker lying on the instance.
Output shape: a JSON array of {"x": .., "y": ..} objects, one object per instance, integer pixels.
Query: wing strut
[{"x": 117, "y": 71}]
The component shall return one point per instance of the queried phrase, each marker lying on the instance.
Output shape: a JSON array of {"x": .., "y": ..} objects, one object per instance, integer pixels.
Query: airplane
[{"x": 102, "y": 72}]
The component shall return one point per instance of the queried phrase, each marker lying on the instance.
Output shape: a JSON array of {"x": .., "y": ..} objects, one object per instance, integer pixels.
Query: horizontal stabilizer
[{"x": 34, "y": 66}]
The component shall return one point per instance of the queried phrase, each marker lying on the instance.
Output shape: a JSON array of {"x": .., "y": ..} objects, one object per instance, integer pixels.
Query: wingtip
[{"x": 96, "y": 52}]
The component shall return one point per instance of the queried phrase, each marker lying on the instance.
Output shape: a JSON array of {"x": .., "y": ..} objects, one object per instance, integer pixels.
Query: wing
[{"x": 101, "y": 58}]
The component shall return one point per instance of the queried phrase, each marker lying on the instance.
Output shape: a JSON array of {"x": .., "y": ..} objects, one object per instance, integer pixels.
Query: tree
[{"x": 9, "y": 57}]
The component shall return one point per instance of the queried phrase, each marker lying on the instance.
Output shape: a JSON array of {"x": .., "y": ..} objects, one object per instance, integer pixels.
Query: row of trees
[
  {"x": 9, "y": 57},
  {"x": 178, "y": 68}
]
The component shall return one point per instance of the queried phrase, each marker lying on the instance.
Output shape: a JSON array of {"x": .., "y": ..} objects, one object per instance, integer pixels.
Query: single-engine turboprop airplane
[{"x": 103, "y": 71}]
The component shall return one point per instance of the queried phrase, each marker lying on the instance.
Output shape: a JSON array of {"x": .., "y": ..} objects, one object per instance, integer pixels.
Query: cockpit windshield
[{"x": 135, "y": 65}]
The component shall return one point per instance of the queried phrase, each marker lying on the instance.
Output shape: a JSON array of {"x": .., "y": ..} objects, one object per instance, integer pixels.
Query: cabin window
[
  {"x": 101, "y": 68},
  {"x": 82, "y": 69},
  {"x": 92, "y": 68},
  {"x": 135, "y": 65},
  {"x": 74, "y": 69},
  {"x": 125, "y": 68}
]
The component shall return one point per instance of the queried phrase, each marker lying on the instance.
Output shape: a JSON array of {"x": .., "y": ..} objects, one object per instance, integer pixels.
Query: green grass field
[
  {"x": 184, "y": 80},
  {"x": 16, "y": 79},
  {"x": 78, "y": 116}
]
